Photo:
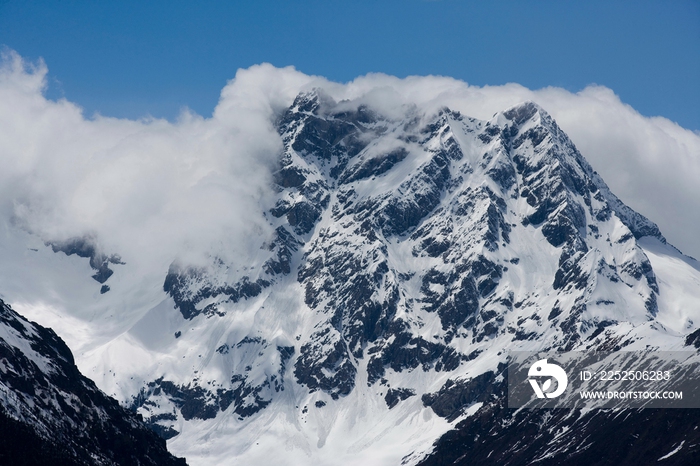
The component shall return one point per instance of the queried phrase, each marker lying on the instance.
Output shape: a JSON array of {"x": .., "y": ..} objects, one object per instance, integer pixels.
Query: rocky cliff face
[
  {"x": 409, "y": 255},
  {"x": 51, "y": 414}
]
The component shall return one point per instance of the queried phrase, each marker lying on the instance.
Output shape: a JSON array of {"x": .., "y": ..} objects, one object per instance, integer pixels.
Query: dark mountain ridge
[{"x": 51, "y": 414}]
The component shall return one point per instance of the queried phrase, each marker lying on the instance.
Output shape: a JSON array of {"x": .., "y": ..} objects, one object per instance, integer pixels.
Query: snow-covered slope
[{"x": 409, "y": 255}]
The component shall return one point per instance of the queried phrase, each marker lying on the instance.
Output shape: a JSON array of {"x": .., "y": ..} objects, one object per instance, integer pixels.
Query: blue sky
[{"x": 134, "y": 58}]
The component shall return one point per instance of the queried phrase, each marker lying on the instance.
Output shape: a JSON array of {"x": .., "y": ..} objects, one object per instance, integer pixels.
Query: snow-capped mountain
[
  {"x": 410, "y": 253},
  {"x": 52, "y": 414}
]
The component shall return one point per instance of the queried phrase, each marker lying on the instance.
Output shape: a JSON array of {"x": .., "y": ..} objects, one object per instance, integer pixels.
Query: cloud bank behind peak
[{"x": 154, "y": 191}]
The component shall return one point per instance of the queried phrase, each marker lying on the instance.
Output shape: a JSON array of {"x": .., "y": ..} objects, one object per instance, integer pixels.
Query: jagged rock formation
[
  {"x": 86, "y": 247},
  {"x": 409, "y": 255}
]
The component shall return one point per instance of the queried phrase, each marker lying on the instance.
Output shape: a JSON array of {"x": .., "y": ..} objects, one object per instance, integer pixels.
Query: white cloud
[{"x": 151, "y": 190}]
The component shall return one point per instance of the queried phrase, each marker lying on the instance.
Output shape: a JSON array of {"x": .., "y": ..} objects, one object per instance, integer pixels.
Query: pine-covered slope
[
  {"x": 409, "y": 255},
  {"x": 52, "y": 414}
]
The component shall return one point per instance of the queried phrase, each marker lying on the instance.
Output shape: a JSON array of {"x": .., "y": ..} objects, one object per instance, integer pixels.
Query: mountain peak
[
  {"x": 315, "y": 101},
  {"x": 407, "y": 254},
  {"x": 523, "y": 112}
]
